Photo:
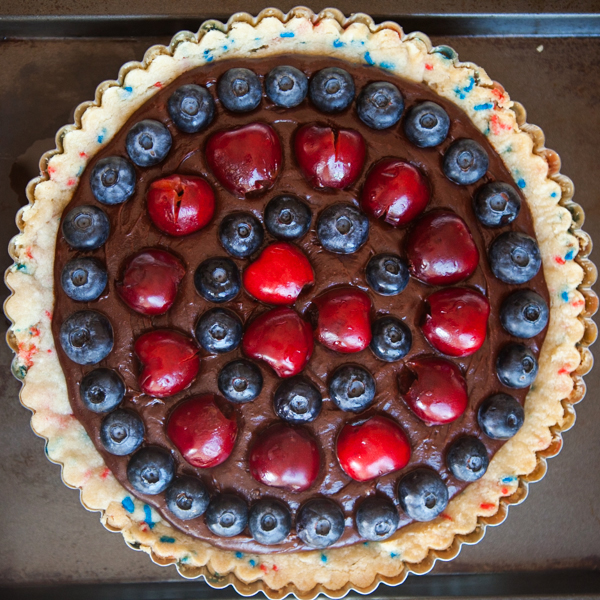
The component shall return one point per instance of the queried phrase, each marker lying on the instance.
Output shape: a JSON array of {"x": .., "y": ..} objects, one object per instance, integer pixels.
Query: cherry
[
  {"x": 278, "y": 275},
  {"x": 282, "y": 339},
  {"x": 434, "y": 390},
  {"x": 245, "y": 160},
  {"x": 329, "y": 158},
  {"x": 285, "y": 457},
  {"x": 150, "y": 281},
  {"x": 180, "y": 204},
  {"x": 395, "y": 191},
  {"x": 456, "y": 321},
  {"x": 440, "y": 249},
  {"x": 372, "y": 448},
  {"x": 201, "y": 432},
  {"x": 169, "y": 360}
]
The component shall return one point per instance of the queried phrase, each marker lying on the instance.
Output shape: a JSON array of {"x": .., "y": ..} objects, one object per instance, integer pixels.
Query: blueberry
[
  {"x": 380, "y": 105},
  {"x": 332, "y": 89},
  {"x": 516, "y": 366},
  {"x": 391, "y": 339},
  {"x": 377, "y": 518},
  {"x": 500, "y": 416},
  {"x": 112, "y": 180},
  {"x": 86, "y": 337},
  {"x": 150, "y": 470},
  {"x": 320, "y": 523},
  {"x": 219, "y": 330},
  {"x": 148, "y": 143},
  {"x": 240, "y": 381},
  {"x": 297, "y": 400},
  {"x": 496, "y": 204},
  {"x": 83, "y": 279},
  {"x": 514, "y": 257},
  {"x": 85, "y": 228},
  {"x": 101, "y": 390},
  {"x": 524, "y": 314},
  {"x": 217, "y": 279},
  {"x": 352, "y": 388},
  {"x": 227, "y": 515},
  {"x": 422, "y": 494},
  {"x": 342, "y": 228},
  {"x": 387, "y": 274},
  {"x": 191, "y": 107},
  {"x": 287, "y": 217},
  {"x": 187, "y": 498},
  {"x": 121, "y": 432},
  {"x": 426, "y": 124},
  {"x": 467, "y": 459},
  {"x": 286, "y": 86},
  {"x": 241, "y": 234},
  {"x": 465, "y": 162},
  {"x": 270, "y": 521},
  {"x": 239, "y": 90}
]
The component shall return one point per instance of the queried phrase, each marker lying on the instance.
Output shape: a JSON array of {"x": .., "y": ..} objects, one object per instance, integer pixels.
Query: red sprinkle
[
  {"x": 498, "y": 93},
  {"x": 105, "y": 473},
  {"x": 28, "y": 253},
  {"x": 83, "y": 155},
  {"x": 497, "y": 125},
  {"x": 48, "y": 314},
  {"x": 27, "y": 353},
  {"x": 158, "y": 85},
  {"x": 446, "y": 516},
  {"x": 563, "y": 371},
  {"x": 274, "y": 567},
  {"x": 504, "y": 491},
  {"x": 429, "y": 66},
  {"x": 579, "y": 302},
  {"x": 71, "y": 182},
  {"x": 35, "y": 331},
  {"x": 51, "y": 170},
  {"x": 264, "y": 568},
  {"x": 144, "y": 527},
  {"x": 560, "y": 260},
  {"x": 487, "y": 506}
]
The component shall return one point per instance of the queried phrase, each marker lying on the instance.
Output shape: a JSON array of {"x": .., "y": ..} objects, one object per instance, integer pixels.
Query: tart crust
[{"x": 564, "y": 357}]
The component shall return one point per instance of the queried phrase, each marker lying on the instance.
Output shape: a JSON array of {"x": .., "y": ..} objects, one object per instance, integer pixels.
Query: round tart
[{"x": 298, "y": 292}]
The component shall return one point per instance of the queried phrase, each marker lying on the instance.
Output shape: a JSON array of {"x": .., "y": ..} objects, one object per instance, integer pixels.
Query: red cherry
[
  {"x": 344, "y": 323},
  {"x": 169, "y": 362},
  {"x": 282, "y": 339},
  {"x": 441, "y": 250},
  {"x": 246, "y": 160},
  {"x": 278, "y": 275},
  {"x": 150, "y": 281},
  {"x": 434, "y": 390},
  {"x": 456, "y": 322},
  {"x": 371, "y": 448},
  {"x": 180, "y": 204},
  {"x": 395, "y": 191},
  {"x": 329, "y": 158},
  {"x": 285, "y": 457}
]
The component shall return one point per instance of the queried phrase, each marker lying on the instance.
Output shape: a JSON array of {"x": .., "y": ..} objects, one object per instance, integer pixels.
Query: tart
[{"x": 298, "y": 293}]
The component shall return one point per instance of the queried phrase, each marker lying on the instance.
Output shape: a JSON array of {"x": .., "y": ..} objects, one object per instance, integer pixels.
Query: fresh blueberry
[
  {"x": 391, "y": 339},
  {"x": 241, "y": 234},
  {"x": 240, "y": 381},
  {"x": 239, "y": 90},
  {"x": 287, "y": 217},
  {"x": 219, "y": 330},
  {"x": 187, "y": 498},
  {"x": 524, "y": 314},
  {"x": 101, "y": 390},
  {"x": 227, "y": 515},
  {"x": 342, "y": 228},
  {"x": 191, "y": 107},
  {"x": 352, "y": 388},
  {"x": 514, "y": 257},
  {"x": 496, "y": 204},
  {"x": 516, "y": 366},
  {"x": 426, "y": 124},
  {"x": 467, "y": 459},
  {"x": 150, "y": 470},
  {"x": 286, "y": 86},
  {"x": 86, "y": 228},
  {"x": 112, "y": 180},
  {"x": 380, "y": 105},
  {"x": 422, "y": 494},
  {"x": 148, "y": 143},
  {"x": 465, "y": 162},
  {"x": 297, "y": 400},
  {"x": 377, "y": 518},
  {"x": 320, "y": 522},
  {"x": 121, "y": 432},
  {"x": 332, "y": 89},
  {"x": 387, "y": 274},
  {"x": 217, "y": 279},
  {"x": 83, "y": 279},
  {"x": 500, "y": 416},
  {"x": 86, "y": 337},
  {"x": 270, "y": 521}
]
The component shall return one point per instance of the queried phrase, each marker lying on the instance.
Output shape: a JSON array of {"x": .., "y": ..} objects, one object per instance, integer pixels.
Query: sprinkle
[
  {"x": 274, "y": 567},
  {"x": 239, "y": 555},
  {"x": 51, "y": 170},
  {"x": 497, "y": 125},
  {"x": 579, "y": 303},
  {"x": 22, "y": 267},
  {"x": 338, "y": 43},
  {"x": 323, "y": 558},
  {"x": 487, "y": 506},
  {"x": 148, "y": 515},
  {"x": 101, "y": 136},
  {"x": 128, "y": 504},
  {"x": 560, "y": 260},
  {"x": 429, "y": 66},
  {"x": 553, "y": 195},
  {"x": 462, "y": 92},
  {"x": 368, "y": 59},
  {"x": 105, "y": 473},
  {"x": 207, "y": 55},
  {"x": 71, "y": 182},
  {"x": 446, "y": 516},
  {"x": 570, "y": 254},
  {"x": 48, "y": 314},
  {"x": 224, "y": 48},
  {"x": 486, "y": 106},
  {"x": 79, "y": 171},
  {"x": 386, "y": 65},
  {"x": 509, "y": 479},
  {"x": 504, "y": 491},
  {"x": 185, "y": 559},
  {"x": 521, "y": 183},
  {"x": 82, "y": 155},
  {"x": 252, "y": 562},
  {"x": 565, "y": 296},
  {"x": 28, "y": 253},
  {"x": 564, "y": 371},
  {"x": 498, "y": 93},
  {"x": 285, "y": 34},
  {"x": 365, "y": 543},
  {"x": 167, "y": 540},
  {"x": 264, "y": 568},
  {"x": 128, "y": 89},
  {"x": 158, "y": 85},
  {"x": 394, "y": 554}
]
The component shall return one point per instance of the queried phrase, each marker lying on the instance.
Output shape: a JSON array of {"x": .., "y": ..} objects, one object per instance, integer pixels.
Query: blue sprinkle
[
  {"x": 185, "y": 559},
  {"x": 368, "y": 58},
  {"x": 459, "y": 93},
  {"x": 323, "y": 558},
  {"x": 462, "y": 92},
  {"x": 286, "y": 34},
  {"x": 101, "y": 136},
  {"x": 128, "y": 89},
  {"x": 167, "y": 540},
  {"x": 79, "y": 172},
  {"x": 386, "y": 65},
  {"x": 509, "y": 149},
  {"x": 338, "y": 43},
  {"x": 207, "y": 55},
  {"x": 393, "y": 554},
  {"x": 239, "y": 555},
  {"x": 509, "y": 479},
  {"x": 487, "y": 131},
  {"x": 470, "y": 86},
  {"x": 128, "y": 504},
  {"x": 565, "y": 296},
  {"x": 256, "y": 39},
  {"x": 22, "y": 267},
  {"x": 224, "y": 47},
  {"x": 148, "y": 515},
  {"x": 570, "y": 254},
  {"x": 521, "y": 183},
  {"x": 485, "y": 106},
  {"x": 252, "y": 562},
  {"x": 365, "y": 543},
  {"x": 553, "y": 195}
]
